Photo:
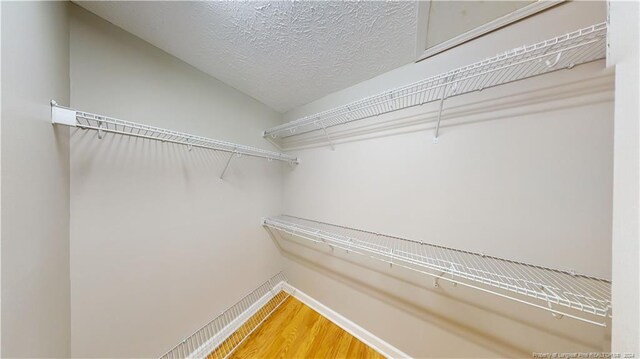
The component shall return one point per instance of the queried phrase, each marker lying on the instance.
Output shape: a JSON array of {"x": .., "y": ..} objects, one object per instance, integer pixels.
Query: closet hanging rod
[
  {"x": 566, "y": 51},
  {"x": 103, "y": 124},
  {"x": 544, "y": 288}
]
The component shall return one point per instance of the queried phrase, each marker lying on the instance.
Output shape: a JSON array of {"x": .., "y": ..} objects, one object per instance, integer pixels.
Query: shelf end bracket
[{"x": 62, "y": 115}]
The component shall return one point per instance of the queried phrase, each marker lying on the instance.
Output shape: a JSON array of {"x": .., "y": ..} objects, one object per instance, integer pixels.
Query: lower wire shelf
[
  {"x": 549, "y": 289},
  {"x": 221, "y": 336}
]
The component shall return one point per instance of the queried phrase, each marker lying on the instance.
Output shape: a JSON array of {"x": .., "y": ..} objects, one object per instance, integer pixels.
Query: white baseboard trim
[{"x": 347, "y": 325}]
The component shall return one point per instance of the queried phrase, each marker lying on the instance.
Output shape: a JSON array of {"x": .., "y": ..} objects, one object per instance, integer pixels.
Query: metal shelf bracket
[
  {"x": 435, "y": 136},
  {"x": 436, "y": 283},
  {"x": 226, "y": 166},
  {"x": 326, "y": 134},
  {"x": 100, "y": 131},
  {"x": 553, "y": 63}
]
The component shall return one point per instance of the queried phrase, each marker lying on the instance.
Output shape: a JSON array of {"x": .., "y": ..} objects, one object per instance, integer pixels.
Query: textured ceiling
[{"x": 283, "y": 53}]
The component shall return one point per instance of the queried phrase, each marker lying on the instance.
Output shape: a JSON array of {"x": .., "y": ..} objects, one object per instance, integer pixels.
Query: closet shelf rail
[
  {"x": 550, "y": 289},
  {"x": 102, "y": 124},
  {"x": 562, "y": 52}
]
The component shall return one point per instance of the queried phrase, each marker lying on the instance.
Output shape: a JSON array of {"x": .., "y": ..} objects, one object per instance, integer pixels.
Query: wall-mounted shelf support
[
  {"x": 435, "y": 136},
  {"x": 326, "y": 135},
  {"x": 564, "y": 294},
  {"x": 224, "y": 170},
  {"x": 324, "y": 129},
  {"x": 436, "y": 280},
  {"x": 551, "y": 64},
  {"x": 562, "y": 52},
  {"x": 100, "y": 131},
  {"x": 453, "y": 87},
  {"x": 61, "y": 115},
  {"x": 548, "y": 290}
]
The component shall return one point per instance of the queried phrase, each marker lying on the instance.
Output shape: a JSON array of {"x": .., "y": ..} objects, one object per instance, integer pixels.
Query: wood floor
[{"x": 297, "y": 331}]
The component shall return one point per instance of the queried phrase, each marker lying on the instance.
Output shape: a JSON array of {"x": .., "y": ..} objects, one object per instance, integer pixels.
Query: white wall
[
  {"x": 522, "y": 171},
  {"x": 159, "y": 245},
  {"x": 35, "y": 181},
  {"x": 625, "y": 38},
  {"x": 0, "y": 180}
]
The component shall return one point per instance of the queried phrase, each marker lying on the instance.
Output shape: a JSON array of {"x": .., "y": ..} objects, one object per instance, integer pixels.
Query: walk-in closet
[{"x": 320, "y": 179}]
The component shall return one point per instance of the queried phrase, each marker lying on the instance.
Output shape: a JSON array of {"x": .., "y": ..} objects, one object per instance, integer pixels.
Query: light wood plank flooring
[{"x": 297, "y": 331}]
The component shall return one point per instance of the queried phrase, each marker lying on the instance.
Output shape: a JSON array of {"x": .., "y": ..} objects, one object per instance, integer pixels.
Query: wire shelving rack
[
  {"x": 221, "y": 336},
  {"x": 103, "y": 124},
  {"x": 545, "y": 288},
  {"x": 562, "y": 52}
]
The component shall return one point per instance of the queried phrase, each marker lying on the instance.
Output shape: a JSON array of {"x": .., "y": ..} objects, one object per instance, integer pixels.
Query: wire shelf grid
[
  {"x": 548, "y": 287},
  {"x": 562, "y": 52},
  {"x": 105, "y": 124},
  {"x": 221, "y": 336}
]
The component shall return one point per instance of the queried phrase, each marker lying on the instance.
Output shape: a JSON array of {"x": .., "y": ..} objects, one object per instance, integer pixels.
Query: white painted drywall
[
  {"x": 625, "y": 38},
  {"x": 0, "y": 180},
  {"x": 35, "y": 181},
  {"x": 159, "y": 245},
  {"x": 522, "y": 171}
]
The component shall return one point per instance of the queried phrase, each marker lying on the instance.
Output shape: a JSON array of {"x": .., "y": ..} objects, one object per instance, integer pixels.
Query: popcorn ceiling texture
[{"x": 285, "y": 54}]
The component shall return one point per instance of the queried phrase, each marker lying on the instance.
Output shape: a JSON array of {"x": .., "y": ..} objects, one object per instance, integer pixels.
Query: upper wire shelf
[
  {"x": 566, "y": 51},
  {"x": 544, "y": 288},
  {"x": 104, "y": 124}
]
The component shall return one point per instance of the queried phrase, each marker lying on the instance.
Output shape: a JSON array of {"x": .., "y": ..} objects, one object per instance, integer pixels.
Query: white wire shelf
[
  {"x": 103, "y": 124},
  {"x": 221, "y": 336},
  {"x": 562, "y": 52},
  {"x": 544, "y": 288}
]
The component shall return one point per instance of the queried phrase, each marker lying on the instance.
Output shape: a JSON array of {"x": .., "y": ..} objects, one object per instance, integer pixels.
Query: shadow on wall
[
  {"x": 126, "y": 153},
  {"x": 502, "y": 345}
]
